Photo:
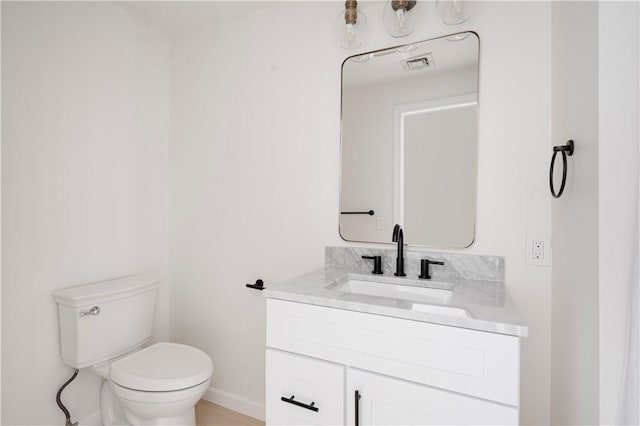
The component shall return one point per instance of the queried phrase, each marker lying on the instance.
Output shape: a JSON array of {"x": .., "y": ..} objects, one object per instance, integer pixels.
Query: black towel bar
[
  {"x": 565, "y": 150},
  {"x": 259, "y": 285},
  {"x": 370, "y": 212}
]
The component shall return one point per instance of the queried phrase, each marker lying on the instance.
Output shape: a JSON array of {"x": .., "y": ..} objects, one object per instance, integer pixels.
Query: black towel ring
[{"x": 564, "y": 150}]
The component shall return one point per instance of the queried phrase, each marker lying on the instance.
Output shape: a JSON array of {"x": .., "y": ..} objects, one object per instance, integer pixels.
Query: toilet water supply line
[{"x": 59, "y": 401}]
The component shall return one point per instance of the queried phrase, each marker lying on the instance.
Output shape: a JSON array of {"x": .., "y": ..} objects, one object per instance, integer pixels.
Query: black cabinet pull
[
  {"x": 300, "y": 404},
  {"x": 259, "y": 285},
  {"x": 357, "y": 405}
]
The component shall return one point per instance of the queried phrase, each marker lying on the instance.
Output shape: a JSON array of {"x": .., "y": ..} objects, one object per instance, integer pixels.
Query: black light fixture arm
[{"x": 403, "y": 4}]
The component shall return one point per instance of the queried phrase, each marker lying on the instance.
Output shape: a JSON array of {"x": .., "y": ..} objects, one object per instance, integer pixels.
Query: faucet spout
[{"x": 398, "y": 236}]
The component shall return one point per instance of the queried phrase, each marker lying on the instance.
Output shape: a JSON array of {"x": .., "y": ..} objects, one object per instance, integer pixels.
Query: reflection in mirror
[{"x": 409, "y": 143}]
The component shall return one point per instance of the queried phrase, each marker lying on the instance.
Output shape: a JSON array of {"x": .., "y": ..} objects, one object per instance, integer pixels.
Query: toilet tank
[{"x": 104, "y": 320}]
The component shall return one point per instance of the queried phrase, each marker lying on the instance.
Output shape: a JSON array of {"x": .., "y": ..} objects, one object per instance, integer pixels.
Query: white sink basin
[
  {"x": 442, "y": 310},
  {"x": 396, "y": 291}
]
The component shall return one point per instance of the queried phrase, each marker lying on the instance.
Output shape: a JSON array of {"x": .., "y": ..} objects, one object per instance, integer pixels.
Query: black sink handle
[
  {"x": 377, "y": 263},
  {"x": 424, "y": 268}
]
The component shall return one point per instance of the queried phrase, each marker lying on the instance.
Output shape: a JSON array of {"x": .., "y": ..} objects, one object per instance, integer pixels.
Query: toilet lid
[{"x": 162, "y": 367}]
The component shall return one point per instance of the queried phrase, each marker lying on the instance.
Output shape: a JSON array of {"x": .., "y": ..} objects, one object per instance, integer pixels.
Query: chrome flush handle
[{"x": 93, "y": 311}]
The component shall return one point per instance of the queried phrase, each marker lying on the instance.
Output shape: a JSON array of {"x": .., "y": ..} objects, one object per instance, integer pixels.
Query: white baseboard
[
  {"x": 226, "y": 399},
  {"x": 93, "y": 419},
  {"x": 235, "y": 402}
]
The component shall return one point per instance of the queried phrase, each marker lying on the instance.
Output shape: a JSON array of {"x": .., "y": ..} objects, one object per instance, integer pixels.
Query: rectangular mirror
[{"x": 410, "y": 143}]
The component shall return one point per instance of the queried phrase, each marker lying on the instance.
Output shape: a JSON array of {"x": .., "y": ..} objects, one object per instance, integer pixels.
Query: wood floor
[{"x": 208, "y": 414}]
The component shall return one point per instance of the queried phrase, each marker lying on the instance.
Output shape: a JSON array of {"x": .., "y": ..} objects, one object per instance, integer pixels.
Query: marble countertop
[{"x": 477, "y": 305}]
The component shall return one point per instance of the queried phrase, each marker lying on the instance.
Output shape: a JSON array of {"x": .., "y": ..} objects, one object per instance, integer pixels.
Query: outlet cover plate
[{"x": 538, "y": 249}]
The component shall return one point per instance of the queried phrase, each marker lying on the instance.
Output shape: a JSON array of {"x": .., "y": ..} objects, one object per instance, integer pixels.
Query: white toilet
[{"x": 103, "y": 326}]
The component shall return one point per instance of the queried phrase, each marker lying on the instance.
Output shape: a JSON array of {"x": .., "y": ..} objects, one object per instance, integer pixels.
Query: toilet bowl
[
  {"x": 160, "y": 408},
  {"x": 161, "y": 384},
  {"x": 103, "y": 326}
]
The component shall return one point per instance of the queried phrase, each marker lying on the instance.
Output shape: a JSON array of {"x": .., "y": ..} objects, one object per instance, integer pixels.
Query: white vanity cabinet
[{"x": 404, "y": 371}]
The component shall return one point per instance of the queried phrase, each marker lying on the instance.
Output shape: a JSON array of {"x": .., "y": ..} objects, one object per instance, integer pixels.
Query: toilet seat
[
  {"x": 163, "y": 367},
  {"x": 159, "y": 397}
]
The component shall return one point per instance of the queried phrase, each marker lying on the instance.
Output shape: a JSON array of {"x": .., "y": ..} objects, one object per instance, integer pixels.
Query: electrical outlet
[{"x": 538, "y": 250}]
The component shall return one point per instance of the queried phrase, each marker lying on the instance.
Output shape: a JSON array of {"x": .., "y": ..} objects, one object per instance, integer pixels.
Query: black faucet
[{"x": 398, "y": 237}]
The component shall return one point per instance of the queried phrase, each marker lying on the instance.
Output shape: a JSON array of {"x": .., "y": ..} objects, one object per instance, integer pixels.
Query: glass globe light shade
[
  {"x": 398, "y": 18},
  {"x": 350, "y": 28},
  {"x": 452, "y": 12}
]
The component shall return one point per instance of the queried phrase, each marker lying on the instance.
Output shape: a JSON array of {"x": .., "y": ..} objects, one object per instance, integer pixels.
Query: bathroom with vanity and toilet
[{"x": 320, "y": 212}]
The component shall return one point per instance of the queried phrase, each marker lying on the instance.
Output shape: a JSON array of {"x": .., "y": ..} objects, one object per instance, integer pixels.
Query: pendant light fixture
[
  {"x": 350, "y": 26},
  {"x": 397, "y": 17}
]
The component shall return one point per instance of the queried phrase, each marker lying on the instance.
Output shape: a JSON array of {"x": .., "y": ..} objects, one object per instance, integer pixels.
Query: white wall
[
  {"x": 0, "y": 226},
  {"x": 574, "y": 369},
  {"x": 618, "y": 151},
  {"x": 595, "y": 102},
  {"x": 255, "y": 163},
  {"x": 254, "y": 176},
  {"x": 84, "y": 182}
]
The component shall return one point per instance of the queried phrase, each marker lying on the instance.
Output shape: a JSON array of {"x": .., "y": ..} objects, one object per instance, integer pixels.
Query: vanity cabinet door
[
  {"x": 388, "y": 401},
  {"x": 313, "y": 390}
]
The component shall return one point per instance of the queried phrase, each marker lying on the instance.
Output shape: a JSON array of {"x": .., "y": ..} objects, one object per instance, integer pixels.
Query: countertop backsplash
[{"x": 456, "y": 265}]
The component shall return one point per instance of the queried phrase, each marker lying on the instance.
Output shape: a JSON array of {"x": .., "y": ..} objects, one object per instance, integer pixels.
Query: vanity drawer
[
  {"x": 481, "y": 364},
  {"x": 308, "y": 381}
]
